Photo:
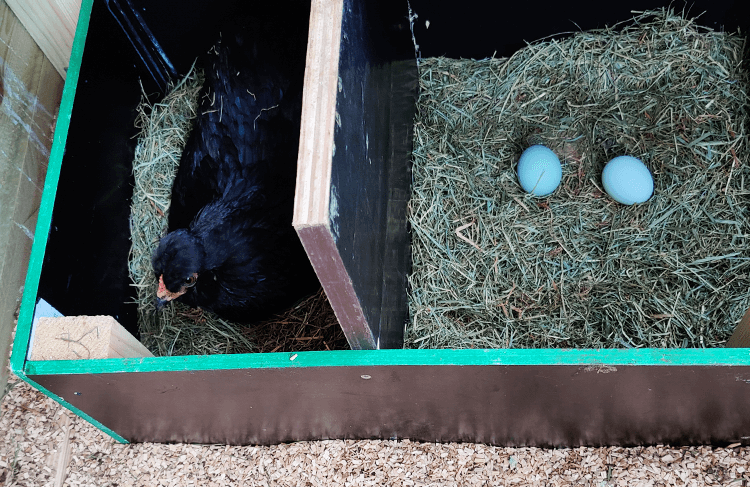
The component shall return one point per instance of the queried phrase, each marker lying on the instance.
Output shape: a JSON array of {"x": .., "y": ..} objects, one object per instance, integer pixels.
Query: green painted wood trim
[
  {"x": 374, "y": 358},
  {"x": 44, "y": 219}
]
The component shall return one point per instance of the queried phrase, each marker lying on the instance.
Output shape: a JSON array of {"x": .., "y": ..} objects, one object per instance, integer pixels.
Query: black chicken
[{"x": 231, "y": 247}]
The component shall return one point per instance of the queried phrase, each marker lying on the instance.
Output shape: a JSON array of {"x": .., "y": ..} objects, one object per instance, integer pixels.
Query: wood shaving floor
[{"x": 43, "y": 444}]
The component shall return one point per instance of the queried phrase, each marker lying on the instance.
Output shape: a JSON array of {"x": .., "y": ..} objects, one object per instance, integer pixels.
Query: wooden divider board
[
  {"x": 312, "y": 199},
  {"x": 353, "y": 175}
]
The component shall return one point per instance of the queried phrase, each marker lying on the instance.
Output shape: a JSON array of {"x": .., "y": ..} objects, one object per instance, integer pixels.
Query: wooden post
[
  {"x": 30, "y": 92},
  {"x": 83, "y": 337}
]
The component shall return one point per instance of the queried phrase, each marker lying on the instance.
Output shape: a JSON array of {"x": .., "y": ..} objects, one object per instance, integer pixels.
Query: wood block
[
  {"x": 52, "y": 24},
  {"x": 83, "y": 337}
]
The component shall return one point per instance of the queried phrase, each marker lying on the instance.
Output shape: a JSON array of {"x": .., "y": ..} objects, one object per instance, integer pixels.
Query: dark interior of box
[
  {"x": 85, "y": 265},
  {"x": 478, "y": 29}
]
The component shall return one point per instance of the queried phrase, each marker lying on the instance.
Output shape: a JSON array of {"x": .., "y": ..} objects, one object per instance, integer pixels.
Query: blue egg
[
  {"x": 539, "y": 170},
  {"x": 627, "y": 180}
]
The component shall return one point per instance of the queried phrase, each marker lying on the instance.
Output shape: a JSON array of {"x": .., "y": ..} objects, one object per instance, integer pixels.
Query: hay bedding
[
  {"x": 494, "y": 267},
  {"x": 178, "y": 329}
]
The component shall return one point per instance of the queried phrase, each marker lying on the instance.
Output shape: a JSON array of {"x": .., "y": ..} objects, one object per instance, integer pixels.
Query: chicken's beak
[
  {"x": 162, "y": 293},
  {"x": 163, "y": 296}
]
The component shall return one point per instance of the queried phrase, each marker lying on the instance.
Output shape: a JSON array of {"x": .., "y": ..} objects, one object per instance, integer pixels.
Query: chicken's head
[{"x": 178, "y": 261}]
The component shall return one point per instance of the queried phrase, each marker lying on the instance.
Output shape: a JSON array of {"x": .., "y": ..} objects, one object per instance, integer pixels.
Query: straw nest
[
  {"x": 177, "y": 329},
  {"x": 495, "y": 267}
]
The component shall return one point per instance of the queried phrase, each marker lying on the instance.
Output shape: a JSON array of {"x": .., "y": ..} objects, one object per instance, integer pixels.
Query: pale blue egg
[
  {"x": 627, "y": 180},
  {"x": 539, "y": 170}
]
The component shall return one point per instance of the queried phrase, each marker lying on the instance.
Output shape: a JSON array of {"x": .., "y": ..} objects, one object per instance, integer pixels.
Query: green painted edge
[
  {"x": 44, "y": 220},
  {"x": 379, "y": 358}
]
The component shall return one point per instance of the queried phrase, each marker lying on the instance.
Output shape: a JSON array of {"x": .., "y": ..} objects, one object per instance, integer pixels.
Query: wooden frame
[{"x": 505, "y": 397}]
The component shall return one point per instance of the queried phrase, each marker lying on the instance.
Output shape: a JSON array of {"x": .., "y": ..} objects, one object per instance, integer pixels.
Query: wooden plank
[
  {"x": 353, "y": 175},
  {"x": 83, "y": 337},
  {"x": 30, "y": 91},
  {"x": 321, "y": 249},
  {"x": 52, "y": 24},
  {"x": 312, "y": 210},
  {"x": 544, "y": 406},
  {"x": 60, "y": 457},
  {"x": 311, "y": 202}
]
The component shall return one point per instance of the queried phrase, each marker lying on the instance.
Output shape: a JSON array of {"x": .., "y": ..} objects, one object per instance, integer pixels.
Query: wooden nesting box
[{"x": 352, "y": 189}]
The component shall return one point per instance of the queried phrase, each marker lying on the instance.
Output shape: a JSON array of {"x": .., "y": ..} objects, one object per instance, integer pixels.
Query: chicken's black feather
[{"x": 230, "y": 219}]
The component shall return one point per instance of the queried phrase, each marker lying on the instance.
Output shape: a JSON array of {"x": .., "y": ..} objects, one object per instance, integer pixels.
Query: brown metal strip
[{"x": 545, "y": 406}]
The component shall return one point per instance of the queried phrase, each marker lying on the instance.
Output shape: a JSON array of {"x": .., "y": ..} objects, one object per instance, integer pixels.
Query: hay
[
  {"x": 178, "y": 329},
  {"x": 494, "y": 267},
  {"x": 311, "y": 325}
]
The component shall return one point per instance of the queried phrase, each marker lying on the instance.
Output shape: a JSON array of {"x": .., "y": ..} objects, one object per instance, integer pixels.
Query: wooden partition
[{"x": 354, "y": 174}]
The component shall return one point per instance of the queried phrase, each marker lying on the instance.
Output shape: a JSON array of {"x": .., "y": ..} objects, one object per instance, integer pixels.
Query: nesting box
[{"x": 352, "y": 189}]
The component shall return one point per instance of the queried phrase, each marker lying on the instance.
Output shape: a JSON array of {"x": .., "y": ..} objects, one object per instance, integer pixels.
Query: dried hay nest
[
  {"x": 495, "y": 267},
  {"x": 178, "y": 329}
]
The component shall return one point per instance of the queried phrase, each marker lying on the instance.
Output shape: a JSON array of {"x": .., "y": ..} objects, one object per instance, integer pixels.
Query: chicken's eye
[{"x": 191, "y": 280}]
